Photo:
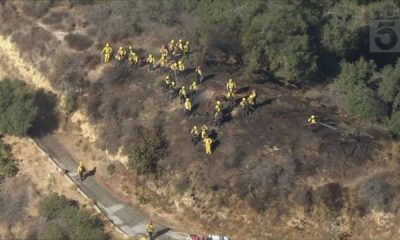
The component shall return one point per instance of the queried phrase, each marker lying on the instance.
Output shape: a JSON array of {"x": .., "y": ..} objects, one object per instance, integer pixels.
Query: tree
[
  {"x": 362, "y": 102},
  {"x": 362, "y": 72},
  {"x": 284, "y": 32},
  {"x": 344, "y": 29},
  {"x": 17, "y": 106},
  {"x": 66, "y": 221},
  {"x": 393, "y": 123},
  {"x": 389, "y": 87}
]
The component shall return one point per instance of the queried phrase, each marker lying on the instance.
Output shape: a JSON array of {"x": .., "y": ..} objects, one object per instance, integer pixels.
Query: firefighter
[
  {"x": 230, "y": 96},
  {"x": 244, "y": 106},
  {"x": 172, "y": 89},
  {"x": 163, "y": 51},
  {"x": 179, "y": 45},
  {"x": 193, "y": 88},
  {"x": 207, "y": 143},
  {"x": 182, "y": 94},
  {"x": 199, "y": 74},
  {"x": 218, "y": 107},
  {"x": 81, "y": 171},
  {"x": 312, "y": 120},
  {"x": 150, "y": 229},
  {"x": 252, "y": 98},
  {"x": 174, "y": 68},
  {"x": 181, "y": 66},
  {"x": 218, "y": 118},
  {"x": 204, "y": 131},
  {"x": 188, "y": 106},
  {"x": 150, "y": 60},
  {"x": 120, "y": 54},
  {"x": 107, "y": 50},
  {"x": 186, "y": 48},
  {"x": 171, "y": 45},
  {"x": 133, "y": 58},
  {"x": 195, "y": 135},
  {"x": 230, "y": 86},
  {"x": 166, "y": 82},
  {"x": 163, "y": 63}
]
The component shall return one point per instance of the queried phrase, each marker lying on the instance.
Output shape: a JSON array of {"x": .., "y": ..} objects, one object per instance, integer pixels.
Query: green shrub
[
  {"x": 51, "y": 206},
  {"x": 70, "y": 104},
  {"x": 393, "y": 123},
  {"x": 66, "y": 221},
  {"x": 143, "y": 200},
  {"x": 143, "y": 157},
  {"x": 362, "y": 103},
  {"x": 362, "y": 72},
  {"x": 17, "y": 107},
  {"x": 389, "y": 87},
  {"x": 7, "y": 162},
  {"x": 111, "y": 169}
]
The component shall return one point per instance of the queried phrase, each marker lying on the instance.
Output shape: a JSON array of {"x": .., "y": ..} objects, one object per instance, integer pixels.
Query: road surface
[{"x": 129, "y": 220}]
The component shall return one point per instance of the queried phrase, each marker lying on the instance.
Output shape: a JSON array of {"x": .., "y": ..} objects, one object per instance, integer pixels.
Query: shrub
[
  {"x": 75, "y": 224},
  {"x": 393, "y": 123},
  {"x": 331, "y": 195},
  {"x": 389, "y": 87},
  {"x": 7, "y": 162},
  {"x": 361, "y": 72},
  {"x": 105, "y": 16},
  {"x": 377, "y": 194},
  {"x": 111, "y": 169},
  {"x": 52, "y": 231},
  {"x": 143, "y": 200},
  {"x": 78, "y": 41},
  {"x": 69, "y": 104},
  {"x": 36, "y": 8},
  {"x": 182, "y": 184},
  {"x": 17, "y": 107},
  {"x": 362, "y": 102},
  {"x": 144, "y": 155},
  {"x": 51, "y": 206}
]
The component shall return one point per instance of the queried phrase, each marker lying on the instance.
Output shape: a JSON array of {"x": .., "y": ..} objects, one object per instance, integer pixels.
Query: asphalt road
[{"x": 129, "y": 220}]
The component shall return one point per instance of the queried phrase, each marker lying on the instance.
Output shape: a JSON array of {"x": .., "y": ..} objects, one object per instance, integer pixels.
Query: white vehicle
[
  {"x": 217, "y": 237},
  {"x": 209, "y": 237}
]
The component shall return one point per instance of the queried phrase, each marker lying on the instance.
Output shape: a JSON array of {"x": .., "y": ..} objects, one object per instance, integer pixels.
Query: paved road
[{"x": 129, "y": 220}]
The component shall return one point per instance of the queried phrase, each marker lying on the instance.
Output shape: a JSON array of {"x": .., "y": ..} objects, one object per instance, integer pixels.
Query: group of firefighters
[{"x": 172, "y": 54}]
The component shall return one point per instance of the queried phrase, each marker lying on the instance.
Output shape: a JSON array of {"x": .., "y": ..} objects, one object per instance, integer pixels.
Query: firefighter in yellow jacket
[
  {"x": 150, "y": 60},
  {"x": 208, "y": 145},
  {"x": 107, "y": 50},
  {"x": 81, "y": 171},
  {"x": 188, "y": 106}
]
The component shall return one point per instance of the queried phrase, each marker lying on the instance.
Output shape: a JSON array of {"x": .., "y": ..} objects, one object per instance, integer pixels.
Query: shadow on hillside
[
  {"x": 47, "y": 119},
  {"x": 160, "y": 233}
]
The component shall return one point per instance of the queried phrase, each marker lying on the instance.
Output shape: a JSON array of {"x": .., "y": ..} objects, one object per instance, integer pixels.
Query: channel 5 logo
[{"x": 384, "y": 35}]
